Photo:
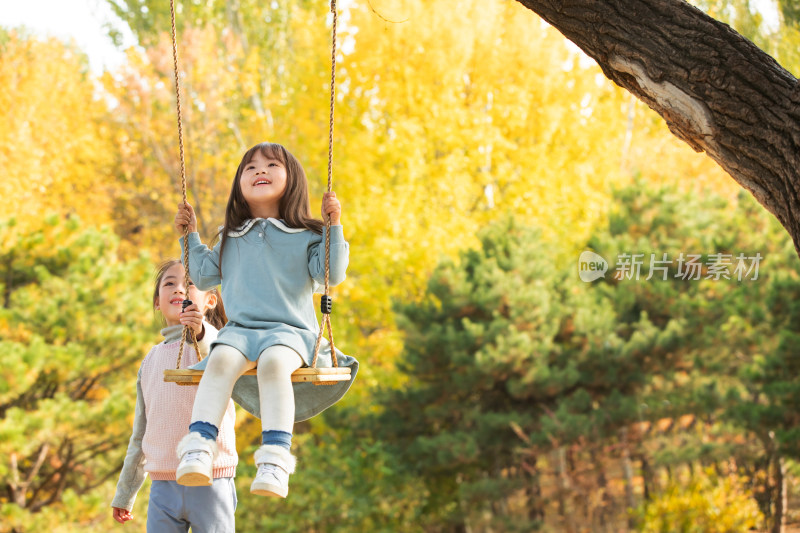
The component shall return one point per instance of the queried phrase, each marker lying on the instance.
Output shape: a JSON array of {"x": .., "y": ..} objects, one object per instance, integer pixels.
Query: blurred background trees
[{"x": 498, "y": 392}]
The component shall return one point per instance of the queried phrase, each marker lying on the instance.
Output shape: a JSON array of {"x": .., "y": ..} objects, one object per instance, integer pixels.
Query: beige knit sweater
[{"x": 163, "y": 412}]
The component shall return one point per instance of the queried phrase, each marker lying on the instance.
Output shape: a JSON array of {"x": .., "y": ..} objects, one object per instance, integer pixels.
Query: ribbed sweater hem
[{"x": 227, "y": 471}]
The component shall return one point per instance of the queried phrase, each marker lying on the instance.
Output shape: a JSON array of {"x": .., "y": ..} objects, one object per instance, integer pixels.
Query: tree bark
[
  {"x": 627, "y": 470},
  {"x": 781, "y": 498},
  {"x": 564, "y": 485},
  {"x": 716, "y": 90},
  {"x": 778, "y": 519}
]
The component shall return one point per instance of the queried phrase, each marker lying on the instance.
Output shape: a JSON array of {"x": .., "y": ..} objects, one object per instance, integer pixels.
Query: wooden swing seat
[{"x": 187, "y": 376}]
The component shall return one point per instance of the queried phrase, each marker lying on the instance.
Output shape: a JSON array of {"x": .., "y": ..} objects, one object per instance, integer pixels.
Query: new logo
[{"x": 591, "y": 266}]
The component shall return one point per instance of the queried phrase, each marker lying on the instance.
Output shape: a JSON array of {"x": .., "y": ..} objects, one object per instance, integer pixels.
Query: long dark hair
[
  {"x": 216, "y": 316},
  {"x": 293, "y": 208}
]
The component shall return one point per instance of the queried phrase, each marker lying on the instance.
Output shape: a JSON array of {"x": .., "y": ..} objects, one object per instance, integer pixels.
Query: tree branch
[{"x": 717, "y": 91}]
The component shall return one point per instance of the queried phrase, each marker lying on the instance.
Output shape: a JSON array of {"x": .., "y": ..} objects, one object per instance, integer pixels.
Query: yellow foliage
[
  {"x": 449, "y": 115},
  {"x": 54, "y": 149},
  {"x": 703, "y": 503},
  {"x": 449, "y": 118}
]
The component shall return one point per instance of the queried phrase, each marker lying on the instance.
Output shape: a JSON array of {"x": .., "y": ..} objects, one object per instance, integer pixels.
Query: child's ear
[{"x": 211, "y": 301}]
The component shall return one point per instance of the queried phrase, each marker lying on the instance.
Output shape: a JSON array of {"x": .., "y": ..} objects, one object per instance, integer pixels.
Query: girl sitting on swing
[{"x": 270, "y": 260}]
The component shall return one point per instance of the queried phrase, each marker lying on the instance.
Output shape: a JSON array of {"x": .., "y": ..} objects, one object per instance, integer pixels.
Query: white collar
[{"x": 244, "y": 228}]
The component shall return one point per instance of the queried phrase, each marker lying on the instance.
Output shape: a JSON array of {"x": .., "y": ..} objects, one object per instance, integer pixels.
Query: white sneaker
[
  {"x": 275, "y": 464},
  {"x": 197, "y": 455}
]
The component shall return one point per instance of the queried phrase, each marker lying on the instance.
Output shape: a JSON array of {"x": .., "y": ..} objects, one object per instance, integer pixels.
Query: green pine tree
[
  {"x": 510, "y": 358},
  {"x": 75, "y": 323}
]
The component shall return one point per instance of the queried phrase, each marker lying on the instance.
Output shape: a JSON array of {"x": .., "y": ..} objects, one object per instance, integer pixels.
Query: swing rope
[
  {"x": 326, "y": 302},
  {"x": 188, "y": 333}
]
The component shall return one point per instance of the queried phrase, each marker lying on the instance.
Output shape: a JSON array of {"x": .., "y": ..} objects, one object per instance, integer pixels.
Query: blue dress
[{"x": 270, "y": 274}]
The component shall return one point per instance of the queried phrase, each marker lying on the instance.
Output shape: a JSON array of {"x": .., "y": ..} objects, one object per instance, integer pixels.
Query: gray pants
[{"x": 174, "y": 508}]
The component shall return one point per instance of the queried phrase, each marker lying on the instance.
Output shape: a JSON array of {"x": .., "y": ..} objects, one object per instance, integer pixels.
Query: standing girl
[
  {"x": 164, "y": 409},
  {"x": 270, "y": 260}
]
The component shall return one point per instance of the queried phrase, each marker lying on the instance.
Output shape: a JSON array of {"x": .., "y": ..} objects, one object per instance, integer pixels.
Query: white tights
[{"x": 276, "y": 396}]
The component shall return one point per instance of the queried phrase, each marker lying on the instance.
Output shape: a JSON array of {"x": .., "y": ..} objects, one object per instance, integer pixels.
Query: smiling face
[
  {"x": 171, "y": 293},
  {"x": 263, "y": 182}
]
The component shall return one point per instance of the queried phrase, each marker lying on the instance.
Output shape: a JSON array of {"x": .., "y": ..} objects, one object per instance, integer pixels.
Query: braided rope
[
  {"x": 188, "y": 333},
  {"x": 326, "y": 317}
]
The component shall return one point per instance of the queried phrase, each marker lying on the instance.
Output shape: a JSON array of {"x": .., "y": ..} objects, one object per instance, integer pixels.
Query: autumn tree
[
  {"x": 521, "y": 375},
  {"x": 74, "y": 324},
  {"x": 428, "y": 146},
  {"x": 246, "y": 70},
  {"x": 711, "y": 85},
  {"x": 724, "y": 378},
  {"x": 55, "y": 149},
  {"x": 717, "y": 91}
]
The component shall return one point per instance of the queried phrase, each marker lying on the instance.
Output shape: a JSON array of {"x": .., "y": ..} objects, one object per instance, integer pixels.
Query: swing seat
[{"x": 317, "y": 376}]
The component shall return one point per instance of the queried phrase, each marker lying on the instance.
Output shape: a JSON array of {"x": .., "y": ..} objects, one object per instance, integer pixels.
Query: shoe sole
[
  {"x": 264, "y": 489},
  {"x": 193, "y": 479}
]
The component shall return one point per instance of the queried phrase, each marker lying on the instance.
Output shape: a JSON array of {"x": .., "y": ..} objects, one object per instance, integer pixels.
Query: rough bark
[
  {"x": 781, "y": 502},
  {"x": 716, "y": 90}
]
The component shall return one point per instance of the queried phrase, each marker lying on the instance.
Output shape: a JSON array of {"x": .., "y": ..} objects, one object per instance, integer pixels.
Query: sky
[
  {"x": 769, "y": 10},
  {"x": 80, "y": 20}
]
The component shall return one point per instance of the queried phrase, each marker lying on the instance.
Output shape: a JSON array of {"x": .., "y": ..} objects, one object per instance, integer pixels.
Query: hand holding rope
[{"x": 188, "y": 333}]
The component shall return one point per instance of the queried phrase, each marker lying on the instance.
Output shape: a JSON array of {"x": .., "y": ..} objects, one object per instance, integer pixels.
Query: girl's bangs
[{"x": 268, "y": 150}]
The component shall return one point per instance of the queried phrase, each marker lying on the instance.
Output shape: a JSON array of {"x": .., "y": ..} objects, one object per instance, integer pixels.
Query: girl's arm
[
  {"x": 340, "y": 249},
  {"x": 132, "y": 476},
  {"x": 209, "y": 336},
  {"x": 340, "y": 256},
  {"x": 203, "y": 262}
]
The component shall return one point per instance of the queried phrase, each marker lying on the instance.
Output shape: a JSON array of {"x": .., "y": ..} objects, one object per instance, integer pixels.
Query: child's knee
[
  {"x": 278, "y": 360},
  {"x": 224, "y": 358}
]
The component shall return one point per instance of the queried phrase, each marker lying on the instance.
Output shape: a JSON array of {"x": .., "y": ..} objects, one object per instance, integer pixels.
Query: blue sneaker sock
[
  {"x": 277, "y": 438},
  {"x": 206, "y": 430}
]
